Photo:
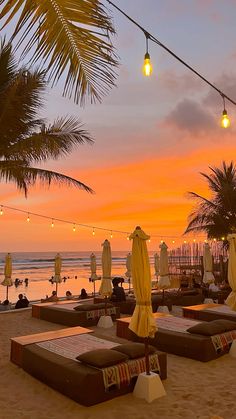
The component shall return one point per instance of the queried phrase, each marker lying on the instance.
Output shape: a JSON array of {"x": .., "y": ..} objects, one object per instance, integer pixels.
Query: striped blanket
[
  {"x": 121, "y": 374},
  {"x": 177, "y": 324},
  {"x": 223, "y": 341}
]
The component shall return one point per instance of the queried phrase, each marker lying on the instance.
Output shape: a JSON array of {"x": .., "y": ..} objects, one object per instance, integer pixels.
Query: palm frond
[
  {"x": 70, "y": 37},
  {"x": 25, "y": 177},
  {"x": 51, "y": 143}
]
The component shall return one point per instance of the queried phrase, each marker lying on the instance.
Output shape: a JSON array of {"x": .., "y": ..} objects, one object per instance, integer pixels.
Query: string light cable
[
  {"x": 92, "y": 227},
  {"x": 149, "y": 36}
]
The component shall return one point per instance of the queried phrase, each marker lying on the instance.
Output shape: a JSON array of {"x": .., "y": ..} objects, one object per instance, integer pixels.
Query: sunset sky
[{"x": 152, "y": 135}]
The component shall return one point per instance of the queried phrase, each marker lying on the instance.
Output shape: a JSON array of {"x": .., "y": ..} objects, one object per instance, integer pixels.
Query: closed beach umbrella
[
  {"x": 128, "y": 267},
  {"x": 208, "y": 276},
  {"x": 106, "y": 287},
  {"x": 142, "y": 322},
  {"x": 93, "y": 267},
  {"x": 156, "y": 264},
  {"x": 7, "y": 282},
  {"x": 57, "y": 268},
  {"x": 164, "y": 279},
  {"x": 231, "y": 300}
]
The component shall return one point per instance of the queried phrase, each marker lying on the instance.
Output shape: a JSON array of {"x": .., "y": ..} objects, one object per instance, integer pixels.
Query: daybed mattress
[
  {"x": 221, "y": 311},
  {"x": 59, "y": 369},
  {"x": 66, "y": 315},
  {"x": 172, "y": 337}
]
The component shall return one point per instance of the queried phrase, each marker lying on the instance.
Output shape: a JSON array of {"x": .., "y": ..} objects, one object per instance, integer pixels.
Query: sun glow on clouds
[{"x": 151, "y": 193}]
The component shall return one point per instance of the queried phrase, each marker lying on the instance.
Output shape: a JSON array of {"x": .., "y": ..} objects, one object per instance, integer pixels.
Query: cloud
[{"x": 190, "y": 116}]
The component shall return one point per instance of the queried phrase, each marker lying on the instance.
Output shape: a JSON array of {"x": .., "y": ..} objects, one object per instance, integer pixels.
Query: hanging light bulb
[
  {"x": 111, "y": 235},
  {"x": 214, "y": 240},
  {"x": 149, "y": 240},
  {"x": 147, "y": 66},
  {"x": 74, "y": 227},
  {"x": 194, "y": 240},
  {"x": 93, "y": 232},
  {"x": 1, "y": 211},
  {"x": 225, "y": 121},
  {"x": 127, "y": 237},
  {"x": 173, "y": 241},
  {"x": 52, "y": 225},
  {"x": 28, "y": 218}
]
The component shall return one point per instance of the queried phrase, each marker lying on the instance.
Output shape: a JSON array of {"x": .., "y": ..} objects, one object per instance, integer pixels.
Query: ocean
[{"x": 38, "y": 267}]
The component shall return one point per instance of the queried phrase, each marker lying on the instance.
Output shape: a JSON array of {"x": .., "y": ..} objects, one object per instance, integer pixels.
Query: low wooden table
[
  {"x": 18, "y": 343},
  {"x": 122, "y": 325},
  {"x": 192, "y": 312}
]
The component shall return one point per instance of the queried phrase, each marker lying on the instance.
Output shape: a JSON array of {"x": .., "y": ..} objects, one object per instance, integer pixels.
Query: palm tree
[
  {"x": 25, "y": 139},
  {"x": 217, "y": 215},
  {"x": 68, "y": 37}
]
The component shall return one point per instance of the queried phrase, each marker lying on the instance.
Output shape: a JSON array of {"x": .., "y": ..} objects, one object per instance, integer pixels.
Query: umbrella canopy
[
  {"x": 128, "y": 265},
  {"x": 164, "y": 279},
  {"x": 231, "y": 300},
  {"x": 106, "y": 287},
  {"x": 57, "y": 268},
  {"x": 93, "y": 267},
  {"x": 142, "y": 322},
  {"x": 156, "y": 264},
  {"x": 7, "y": 282},
  {"x": 208, "y": 276}
]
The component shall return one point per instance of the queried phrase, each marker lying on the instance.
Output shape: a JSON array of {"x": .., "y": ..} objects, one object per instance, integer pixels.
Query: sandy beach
[{"x": 194, "y": 389}]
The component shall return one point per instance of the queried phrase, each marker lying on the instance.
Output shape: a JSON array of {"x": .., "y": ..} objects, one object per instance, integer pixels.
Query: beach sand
[{"x": 194, "y": 389}]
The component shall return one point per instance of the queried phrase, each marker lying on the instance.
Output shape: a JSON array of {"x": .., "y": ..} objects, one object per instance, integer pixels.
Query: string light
[
  {"x": 225, "y": 119},
  {"x": 147, "y": 66},
  {"x": 73, "y": 224}
]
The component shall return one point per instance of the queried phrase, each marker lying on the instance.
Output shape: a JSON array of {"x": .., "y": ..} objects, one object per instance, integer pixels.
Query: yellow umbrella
[
  {"x": 208, "y": 276},
  {"x": 142, "y": 322},
  {"x": 93, "y": 267},
  {"x": 231, "y": 300},
  {"x": 128, "y": 267},
  {"x": 57, "y": 268},
  {"x": 7, "y": 282}
]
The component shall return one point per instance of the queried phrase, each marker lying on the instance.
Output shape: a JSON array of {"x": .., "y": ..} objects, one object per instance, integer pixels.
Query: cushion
[
  {"x": 102, "y": 358},
  {"x": 206, "y": 328},
  {"x": 90, "y": 307},
  {"x": 227, "y": 325},
  {"x": 134, "y": 350}
]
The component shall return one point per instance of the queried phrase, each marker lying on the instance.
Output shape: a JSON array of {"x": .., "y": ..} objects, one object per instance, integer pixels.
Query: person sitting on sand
[
  {"x": 22, "y": 302},
  {"x": 5, "y": 305},
  {"x": 118, "y": 292},
  {"x": 83, "y": 294},
  {"x": 52, "y": 299},
  {"x": 69, "y": 295}
]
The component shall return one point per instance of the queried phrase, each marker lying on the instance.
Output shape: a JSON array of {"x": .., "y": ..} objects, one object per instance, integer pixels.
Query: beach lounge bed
[
  {"x": 98, "y": 376},
  {"x": 173, "y": 337},
  {"x": 74, "y": 313},
  {"x": 210, "y": 311}
]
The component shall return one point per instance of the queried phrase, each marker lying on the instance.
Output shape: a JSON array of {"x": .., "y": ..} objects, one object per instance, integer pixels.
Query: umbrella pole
[
  {"x": 147, "y": 356},
  {"x": 7, "y": 294},
  {"x": 129, "y": 285},
  {"x": 105, "y": 305},
  {"x": 94, "y": 287},
  {"x": 163, "y": 296},
  {"x": 56, "y": 288}
]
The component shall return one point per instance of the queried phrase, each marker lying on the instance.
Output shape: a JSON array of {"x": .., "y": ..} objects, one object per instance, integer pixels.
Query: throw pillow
[
  {"x": 102, "y": 358},
  {"x": 134, "y": 350}
]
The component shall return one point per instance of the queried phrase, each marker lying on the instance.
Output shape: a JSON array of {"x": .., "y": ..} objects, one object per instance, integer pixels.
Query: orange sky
[{"x": 152, "y": 136}]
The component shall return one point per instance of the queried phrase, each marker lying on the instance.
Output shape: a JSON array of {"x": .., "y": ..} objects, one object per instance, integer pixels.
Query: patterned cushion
[
  {"x": 134, "y": 350},
  {"x": 226, "y": 325},
  {"x": 102, "y": 358}
]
